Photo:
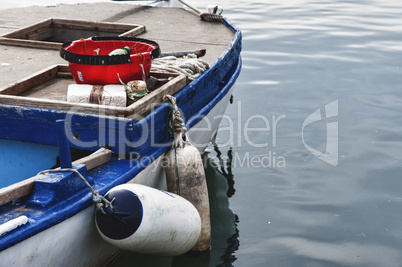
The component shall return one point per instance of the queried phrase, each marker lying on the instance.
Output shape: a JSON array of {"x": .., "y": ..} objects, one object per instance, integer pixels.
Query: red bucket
[{"x": 90, "y": 62}]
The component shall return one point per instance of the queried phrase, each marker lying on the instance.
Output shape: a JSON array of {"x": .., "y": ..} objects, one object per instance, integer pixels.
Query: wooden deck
[{"x": 163, "y": 25}]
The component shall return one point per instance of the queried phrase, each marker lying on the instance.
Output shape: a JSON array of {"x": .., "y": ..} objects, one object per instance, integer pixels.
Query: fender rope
[{"x": 99, "y": 200}]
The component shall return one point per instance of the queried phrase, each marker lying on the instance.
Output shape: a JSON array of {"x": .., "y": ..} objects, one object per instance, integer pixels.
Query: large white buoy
[{"x": 150, "y": 221}]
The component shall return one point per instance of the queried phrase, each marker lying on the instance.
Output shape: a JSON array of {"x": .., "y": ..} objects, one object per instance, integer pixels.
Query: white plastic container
[{"x": 113, "y": 94}]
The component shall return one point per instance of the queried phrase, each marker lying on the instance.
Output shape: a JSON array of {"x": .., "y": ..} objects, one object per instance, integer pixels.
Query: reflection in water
[
  {"x": 232, "y": 245},
  {"x": 223, "y": 221},
  {"x": 220, "y": 180},
  {"x": 227, "y": 174}
]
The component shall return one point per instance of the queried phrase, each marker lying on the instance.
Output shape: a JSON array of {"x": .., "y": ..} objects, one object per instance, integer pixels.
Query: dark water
[{"x": 312, "y": 145}]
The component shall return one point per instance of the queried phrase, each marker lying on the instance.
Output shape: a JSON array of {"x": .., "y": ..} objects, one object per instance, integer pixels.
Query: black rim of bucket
[{"x": 106, "y": 60}]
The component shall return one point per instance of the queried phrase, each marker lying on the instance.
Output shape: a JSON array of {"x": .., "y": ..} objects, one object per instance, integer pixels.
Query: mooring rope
[
  {"x": 99, "y": 200},
  {"x": 177, "y": 122},
  {"x": 189, "y": 65}
]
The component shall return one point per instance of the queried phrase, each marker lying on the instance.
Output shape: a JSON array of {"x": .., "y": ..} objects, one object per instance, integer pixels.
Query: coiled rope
[{"x": 189, "y": 65}]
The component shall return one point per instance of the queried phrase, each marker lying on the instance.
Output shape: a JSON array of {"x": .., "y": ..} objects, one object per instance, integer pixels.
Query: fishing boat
[{"x": 62, "y": 159}]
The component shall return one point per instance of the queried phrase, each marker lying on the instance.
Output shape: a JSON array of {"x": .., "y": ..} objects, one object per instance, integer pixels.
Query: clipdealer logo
[
  {"x": 257, "y": 131},
  {"x": 330, "y": 155}
]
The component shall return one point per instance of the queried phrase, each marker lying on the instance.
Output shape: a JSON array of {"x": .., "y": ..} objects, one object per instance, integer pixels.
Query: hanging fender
[{"x": 147, "y": 220}]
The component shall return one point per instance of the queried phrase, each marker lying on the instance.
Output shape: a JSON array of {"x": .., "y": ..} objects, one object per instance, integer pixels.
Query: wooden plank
[
  {"x": 11, "y": 95},
  {"x": 91, "y": 25},
  {"x": 64, "y": 75},
  {"x": 95, "y": 159},
  {"x": 30, "y": 82},
  {"x": 145, "y": 105},
  {"x": 40, "y": 34},
  {"x": 55, "y": 89},
  {"x": 30, "y": 43},
  {"x": 25, "y": 188},
  {"x": 73, "y": 25},
  {"x": 64, "y": 68},
  {"x": 61, "y": 105},
  {"x": 33, "y": 35},
  {"x": 160, "y": 74},
  {"x": 17, "y": 190},
  {"x": 133, "y": 32},
  {"x": 21, "y": 34}
]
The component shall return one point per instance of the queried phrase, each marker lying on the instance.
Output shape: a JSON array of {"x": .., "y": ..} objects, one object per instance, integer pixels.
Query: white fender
[{"x": 150, "y": 221}]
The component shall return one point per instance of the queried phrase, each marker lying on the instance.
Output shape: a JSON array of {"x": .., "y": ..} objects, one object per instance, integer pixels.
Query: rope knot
[
  {"x": 176, "y": 122},
  {"x": 101, "y": 203}
]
